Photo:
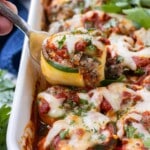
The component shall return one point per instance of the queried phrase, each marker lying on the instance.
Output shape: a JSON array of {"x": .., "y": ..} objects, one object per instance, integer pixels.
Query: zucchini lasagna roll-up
[
  {"x": 74, "y": 58},
  {"x": 89, "y": 132},
  {"x": 63, "y": 9}
]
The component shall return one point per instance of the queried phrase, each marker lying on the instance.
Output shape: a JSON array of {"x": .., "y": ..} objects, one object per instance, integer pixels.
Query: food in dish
[
  {"x": 94, "y": 19},
  {"x": 98, "y": 67},
  {"x": 112, "y": 117},
  {"x": 74, "y": 58}
]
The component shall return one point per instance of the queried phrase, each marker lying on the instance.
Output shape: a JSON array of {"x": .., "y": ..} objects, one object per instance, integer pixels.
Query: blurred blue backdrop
[{"x": 11, "y": 44}]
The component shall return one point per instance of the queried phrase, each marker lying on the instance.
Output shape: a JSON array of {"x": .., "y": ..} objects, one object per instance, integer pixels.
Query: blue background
[{"x": 11, "y": 44}]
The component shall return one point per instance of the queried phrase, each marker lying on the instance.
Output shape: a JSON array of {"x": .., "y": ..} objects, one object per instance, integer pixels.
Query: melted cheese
[
  {"x": 73, "y": 23},
  {"x": 145, "y": 104},
  {"x": 84, "y": 96},
  {"x": 72, "y": 39},
  {"x": 55, "y": 27},
  {"x": 54, "y": 103},
  {"x": 89, "y": 124},
  {"x": 135, "y": 114},
  {"x": 94, "y": 120},
  {"x": 143, "y": 36},
  {"x": 96, "y": 97},
  {"x": 57, "y": 127},
  {"x": 112, "y": 93},
  {"x": 121, "y": 45},
  {"x": 122, "y": 120}
]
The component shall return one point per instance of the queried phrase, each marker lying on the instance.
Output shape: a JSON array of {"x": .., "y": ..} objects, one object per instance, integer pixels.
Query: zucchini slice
[{"x": 56, "y": 76}]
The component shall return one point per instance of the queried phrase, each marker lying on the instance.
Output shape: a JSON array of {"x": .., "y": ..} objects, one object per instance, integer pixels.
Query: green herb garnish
[
  {"x": 131, "y": 132},
  {"x": 102, "y": 137},
  {"x": 109, "y": 81},
  {"x": 63, "y": 134},
  {"x": 83, "y": 101},
  {"x": 61, "y": 42},
  {"x": 91, "y": 47},
  {"x": 139, "y": 71}
]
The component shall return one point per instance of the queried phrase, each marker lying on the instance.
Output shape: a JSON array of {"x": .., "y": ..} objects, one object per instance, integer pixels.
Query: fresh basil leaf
[
  {"x": 135, "y": 3},
  {"x": 4, "y": 116},
  {"x": 6, "y": 97},
  {"x": 145, "y": 3},
  {"x": 112, "y": 8},
  {"x": 143, "y": 18},
  {"x": 6, "y": 84},
  {"x": 122, "y": 4}
]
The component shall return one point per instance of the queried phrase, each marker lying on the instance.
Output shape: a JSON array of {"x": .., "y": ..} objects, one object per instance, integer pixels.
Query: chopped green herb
[
  {"x": 91, "y": 47},
  {"x": 120, "y": 113},
  {"x": 119, "y": 59},
  {"x": 139, "y": 71},
  {"x": 83, "y": 101},
  {"x": 91, "y": 29},
  {"x": 72, "y": 122},
  {"x": 61, "y": 42},
  {"x": 77, "y": 31},
  {"x": 131, "y": 132},
  {"x": 63, "y": 134},
  {"x": 102, "y": 137},
  {"x": 94, "y": 130}
]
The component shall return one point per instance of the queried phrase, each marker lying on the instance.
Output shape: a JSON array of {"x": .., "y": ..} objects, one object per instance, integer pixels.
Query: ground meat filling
[
  {"x": 114, "y": 69},
  {"x": 89, "y": 68}
]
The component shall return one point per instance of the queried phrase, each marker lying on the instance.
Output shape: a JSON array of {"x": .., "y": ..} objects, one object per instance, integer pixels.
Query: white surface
[{"x": 23, "y": 98}]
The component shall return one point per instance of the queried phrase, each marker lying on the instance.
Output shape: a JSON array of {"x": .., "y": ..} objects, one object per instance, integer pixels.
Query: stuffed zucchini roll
[{"x": 75, "y": 59}]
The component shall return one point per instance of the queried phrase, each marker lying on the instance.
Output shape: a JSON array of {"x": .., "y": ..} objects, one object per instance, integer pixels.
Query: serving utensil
[{"x": 35, "y": 37}]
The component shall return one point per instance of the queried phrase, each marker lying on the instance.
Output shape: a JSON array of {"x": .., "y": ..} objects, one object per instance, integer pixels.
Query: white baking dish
[{"x": 21, "y": 109}]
